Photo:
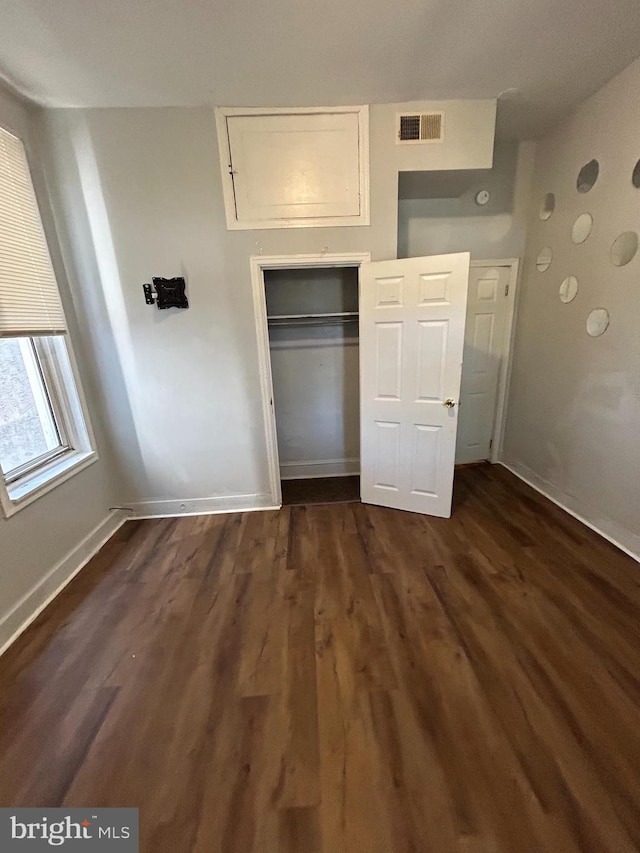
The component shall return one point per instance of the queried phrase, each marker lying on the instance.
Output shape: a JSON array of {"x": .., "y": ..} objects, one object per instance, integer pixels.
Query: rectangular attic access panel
[{"x": 294, "y": 168}]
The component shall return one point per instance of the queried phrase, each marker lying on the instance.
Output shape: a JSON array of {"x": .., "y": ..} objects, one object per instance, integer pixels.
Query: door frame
[
  {"x": 258, "y": 264},
  {"x": 506, "y": 351}
]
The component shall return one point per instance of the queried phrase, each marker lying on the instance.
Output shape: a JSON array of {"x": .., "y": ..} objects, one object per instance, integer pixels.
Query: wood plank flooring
[{"x": 342, "y": 678}]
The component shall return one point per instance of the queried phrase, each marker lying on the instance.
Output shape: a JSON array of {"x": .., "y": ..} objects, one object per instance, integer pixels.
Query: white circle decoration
[
  {"x": 598, "y": 322},
  {"x": 543, "y": 261},
  {"x": 624, "y": 248},
  {"x": 568, "y": 289},
  {"x": 547, "y": 207},
  {"x": 582, "y": 228},
  {"x": 588, "y": 176}
]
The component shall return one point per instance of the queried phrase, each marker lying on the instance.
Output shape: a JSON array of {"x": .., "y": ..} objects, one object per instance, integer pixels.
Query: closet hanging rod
[
  {"x": 314, "y": 321},
  {"x": 346, "y": 314}
]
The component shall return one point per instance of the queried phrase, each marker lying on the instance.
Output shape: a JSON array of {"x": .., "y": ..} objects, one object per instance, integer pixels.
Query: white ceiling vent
[{"x": 415, "y": 128}]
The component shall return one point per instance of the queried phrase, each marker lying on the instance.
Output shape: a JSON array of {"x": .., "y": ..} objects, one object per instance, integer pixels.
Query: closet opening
[
  {"x": 307, "y": 313},
  {"x": 312, "y": 318}
]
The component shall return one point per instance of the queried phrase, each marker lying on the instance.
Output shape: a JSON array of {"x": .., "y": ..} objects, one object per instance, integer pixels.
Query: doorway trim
[
  {"x": 504, "y": 378},
  {"x": 258, "y": 264}
]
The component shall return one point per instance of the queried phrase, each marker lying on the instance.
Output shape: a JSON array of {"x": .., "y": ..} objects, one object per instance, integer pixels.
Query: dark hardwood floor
[{"x": 342, "y": 678}]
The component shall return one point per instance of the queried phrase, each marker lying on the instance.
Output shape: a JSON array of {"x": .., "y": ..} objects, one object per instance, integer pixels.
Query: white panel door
[
  {"x": 483, "y": 346},
  {"x": 412, "y": 316},
  {"x": 288, "y": 167}
]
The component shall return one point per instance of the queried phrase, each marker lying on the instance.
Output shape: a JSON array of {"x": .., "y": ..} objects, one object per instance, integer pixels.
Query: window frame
[
  {"x": 54, "y": 411},
  {"x": 61, "y": 382}
]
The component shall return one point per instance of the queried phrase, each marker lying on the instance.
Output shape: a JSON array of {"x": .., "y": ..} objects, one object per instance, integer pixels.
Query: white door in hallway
[
  {"x": 412, "y": 318},
  {"x": 487, "y": 306}
]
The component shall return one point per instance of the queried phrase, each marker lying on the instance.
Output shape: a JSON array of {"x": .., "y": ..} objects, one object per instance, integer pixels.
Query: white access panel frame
[{"x": 317, "y": 159}]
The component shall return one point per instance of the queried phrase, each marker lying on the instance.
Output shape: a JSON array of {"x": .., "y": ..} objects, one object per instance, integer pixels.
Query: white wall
[
  {"x": 574, "y": 412},
  {"x": 316, "y": 395},
  {"x": 139, "y": 193},
  {"x": 47, "y": 540},
  {"x": 439, "y": 225}
]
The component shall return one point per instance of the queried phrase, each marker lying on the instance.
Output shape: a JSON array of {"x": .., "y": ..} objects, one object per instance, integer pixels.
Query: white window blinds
[{"x": 29, "y": 299}]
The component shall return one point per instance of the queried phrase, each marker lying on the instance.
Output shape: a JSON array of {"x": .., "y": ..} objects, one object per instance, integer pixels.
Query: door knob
[{"x": 449, "y": 403}]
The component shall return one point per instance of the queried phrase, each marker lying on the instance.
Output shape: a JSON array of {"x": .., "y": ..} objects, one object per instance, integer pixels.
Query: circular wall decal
[
  {"x": 635, "y": 177},
  {"x": 598, "y": 322},
  {"x": 582, "y": 228},
  {"x": 548, "y": 206},
  {"x": 543, "y": 261},
  {"x": 568, "y": 289},
  {"x": 624, "y": 248},
  {"x": 588, "y": 176}
]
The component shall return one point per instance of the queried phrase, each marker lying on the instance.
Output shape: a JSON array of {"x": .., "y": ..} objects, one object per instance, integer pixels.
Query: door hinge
[{"x": 506, "y": 290}]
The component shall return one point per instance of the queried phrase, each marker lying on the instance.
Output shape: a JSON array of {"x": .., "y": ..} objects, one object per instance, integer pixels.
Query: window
[
  {"x": 44, "y": 435},
  {"x": 30, "y": 431}
]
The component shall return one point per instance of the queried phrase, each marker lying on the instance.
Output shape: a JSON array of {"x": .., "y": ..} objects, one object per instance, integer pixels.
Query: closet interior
[{"x": 312, "y": 315}]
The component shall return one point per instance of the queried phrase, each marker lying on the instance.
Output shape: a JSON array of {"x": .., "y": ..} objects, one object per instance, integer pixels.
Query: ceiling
[{"x": 104, "y": 53}]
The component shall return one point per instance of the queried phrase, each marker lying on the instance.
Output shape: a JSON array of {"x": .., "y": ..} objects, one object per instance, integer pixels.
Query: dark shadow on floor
[{"x": 320, "y": 490}]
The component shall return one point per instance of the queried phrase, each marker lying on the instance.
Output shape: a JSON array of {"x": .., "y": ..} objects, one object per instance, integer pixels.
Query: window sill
[{"x": 20, "y": 494}]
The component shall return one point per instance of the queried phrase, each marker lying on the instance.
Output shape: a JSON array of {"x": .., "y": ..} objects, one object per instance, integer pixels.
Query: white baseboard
[
  {"x": 320, "y": 468},
  {"x": 34, "y": 602},
  {"x": 623, "y": 539},
  {"x": 202, "y": 506}
]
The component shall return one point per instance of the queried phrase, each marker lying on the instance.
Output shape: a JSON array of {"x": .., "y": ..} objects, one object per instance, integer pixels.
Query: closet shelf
[{"x": 336, "y": 318}]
